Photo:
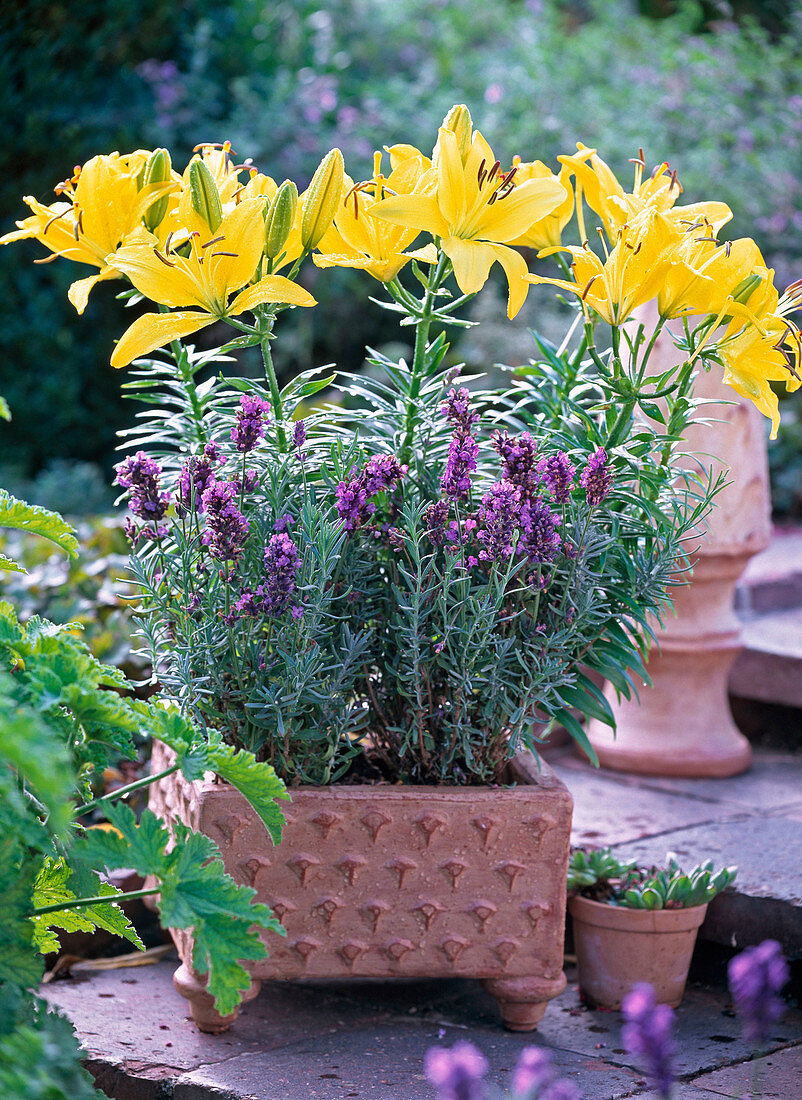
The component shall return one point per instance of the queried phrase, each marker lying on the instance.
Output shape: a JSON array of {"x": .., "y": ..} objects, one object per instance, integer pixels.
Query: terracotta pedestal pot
[
  {"x": 617, "y": 947},
  {"x": 682, "y": 724},
  {"x": 393, "y": 881}
]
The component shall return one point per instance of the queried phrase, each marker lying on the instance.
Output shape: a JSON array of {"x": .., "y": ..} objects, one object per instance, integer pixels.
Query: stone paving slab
[
  {"x": 363, "y": 1039},
  {"x": 772, "y": 783},
  {"x": 772, "y": 580},
  {"x": 769, "y": 667},
  {"x": 778, "y": 1077}
]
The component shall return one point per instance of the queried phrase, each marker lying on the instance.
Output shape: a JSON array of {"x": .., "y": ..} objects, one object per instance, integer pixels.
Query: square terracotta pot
[{"x": 394, "y": 881}]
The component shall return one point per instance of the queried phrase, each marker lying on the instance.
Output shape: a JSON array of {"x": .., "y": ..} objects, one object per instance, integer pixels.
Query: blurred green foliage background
[{"x": 714, "y": 89}]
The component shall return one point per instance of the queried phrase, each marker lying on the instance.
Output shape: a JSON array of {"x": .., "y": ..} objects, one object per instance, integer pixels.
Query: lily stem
[
  {"x": 422, "y": 327},
  {"x": 265, "y": 334}
]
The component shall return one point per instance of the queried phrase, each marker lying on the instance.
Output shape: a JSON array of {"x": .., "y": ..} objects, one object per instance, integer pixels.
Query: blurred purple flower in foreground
[
  {"x": 596, "y": 478},
  {"x": 647, "y": 1033},
  {"x": 756, "y": 977},
  {"x": 457, "y": 1074}
]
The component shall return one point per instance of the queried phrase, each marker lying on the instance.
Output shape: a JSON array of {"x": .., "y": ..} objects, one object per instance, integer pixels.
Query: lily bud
[
  {"x": 322, "y": 199},
  {"x": 158, "y": 169},
  {"x": 459, "y": 121},
  {"x": 744, "y": 290},
  {"x": 204, "y": 195},
  {"x": 279, "y": 219}
]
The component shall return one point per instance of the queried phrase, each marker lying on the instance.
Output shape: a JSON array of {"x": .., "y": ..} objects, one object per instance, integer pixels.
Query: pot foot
[
  {"x": 523, "y": 1001},
  {"x": 201, "y": 1003}
]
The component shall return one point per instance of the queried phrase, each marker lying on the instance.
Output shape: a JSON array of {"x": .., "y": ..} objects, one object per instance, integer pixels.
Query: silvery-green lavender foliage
[{"x": 427, "y": 575}]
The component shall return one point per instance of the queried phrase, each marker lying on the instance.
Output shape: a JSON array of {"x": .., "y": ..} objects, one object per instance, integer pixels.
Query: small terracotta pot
[
  {"x": 390, "y": 881},
  {"x": 618, "y": 947}
]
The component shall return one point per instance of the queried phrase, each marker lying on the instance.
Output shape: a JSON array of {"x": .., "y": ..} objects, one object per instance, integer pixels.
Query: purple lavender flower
[
  {"x": 434, "y": 521},
  {"x": 596, "y": 478},
  {"x": 457, "y": 411},
  {"x": 519, "y": 457},
  {"x": 756, "y": 977},
  {"x": 647, "y": 1033},
  {"x": 248, "y": 482},
  {"x": 226, "y": 527},
  {"x": 197, "y": 474},
  {"x": 557, "y": 474},
  {"x": 352, "y": 503},
  {"x": 539, "y": 539},
  {"x": 251, "y": 417},
  {"x": 283, "y": 523},
  {"x": 381, "y": 473},
  {"x": 299, "y": 438},
  {"x": 456, "y": 479},
  {"x": 532, "y": 1071},
  {"x": 457, "y": 1074},
  {"x": 142, "y": 477},
  {"x": 499, "y": 515},
  {"x": 282, "y": 563}
]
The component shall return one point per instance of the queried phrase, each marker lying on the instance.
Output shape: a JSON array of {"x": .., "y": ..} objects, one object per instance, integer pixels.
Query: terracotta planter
[
  {"x": 617, "y": 947},
  {"x": 393, "y": 881}
]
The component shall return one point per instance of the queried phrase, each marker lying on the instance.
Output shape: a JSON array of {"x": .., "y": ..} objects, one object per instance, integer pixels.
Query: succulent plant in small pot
[
  {"x": 391, "y": 598},
  {"x": 637, "y": 924}
]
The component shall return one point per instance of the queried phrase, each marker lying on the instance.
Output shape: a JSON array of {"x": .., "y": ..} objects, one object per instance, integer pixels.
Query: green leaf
[
  {"x": 53, "y": 886},
  {"x": 11, "y": 566},
  {"x": 308, "y": 389},
  {"x": 39, "y": 521},
  {"x": 5, "y": 411},
  {"x": 195, "y": 892},
  {"x": 568, "y": 722},
  {"x": 258, "y": 782}
]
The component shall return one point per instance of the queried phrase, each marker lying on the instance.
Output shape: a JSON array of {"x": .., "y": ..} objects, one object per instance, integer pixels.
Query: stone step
[{"x": 768, "y": 601}]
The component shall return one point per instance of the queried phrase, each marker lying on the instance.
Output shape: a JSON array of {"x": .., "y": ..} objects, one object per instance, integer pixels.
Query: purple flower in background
[
  {"x": 596, "y": 478},
  {"x": 532, "y": 1071},
  {"x": 519, "y": 457},
  {"x": 756, "y": 977},
  {"x": 457, "y": 411},
  {"x": 252, "y": 415},
  {"x": 647, "y": 1034},
  {"x": 142, "y": 477},
  {"x": 539, "y": 539},
  {"x": 457, "y": 1074},
  {"x": 434, "y": 521},
  {"x": 557, "y": 473},
  {"x": 456, "y": 479},
  {"x": 499, "y": 515},
  {"x": 282, "y": 563},
  {"x": 226, "y": 527},
  {"x": 283, "y": 523},
  {"x": 248, "y": 482}
]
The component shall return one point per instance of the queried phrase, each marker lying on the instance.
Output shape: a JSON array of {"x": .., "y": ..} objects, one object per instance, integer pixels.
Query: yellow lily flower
[
  {"x": 217, "y": 266},
  {"x": 104, "y": 206},
  {"x": 545, "y": 232},
  {"x": 372, "y": 244},
  {"x": 750, "y": 361},
  {"x": 615, "y": 206},
  {"x": 705, "y": 274},
  {"x": 631, "y": 274},
  {"x": 476, "y": 210}
]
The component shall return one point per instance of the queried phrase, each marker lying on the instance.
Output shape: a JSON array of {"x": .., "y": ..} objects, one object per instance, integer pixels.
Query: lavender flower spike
[
  {"x": 647, "y": 1033},
  {"x": 434, "y": 520},
  {"x": 251, "y": 417},
  {"x": 226, "y": 527},
  {"x": 456, "y": 479},
  {"x": 596, "y": 478},
  {"x": 141, "y": 475},
  {"x": 457, "y": 1074},
  {"x": 519, "y": 457},
  {"x": 756, "y": 977},
  {"x": 499, "y": 516},
  {"x": 557, "y": 473},
  {"x": 282, "y": 563},
  {"x": 457, "y": 411},
  {"x": 532, "y": 1071}
]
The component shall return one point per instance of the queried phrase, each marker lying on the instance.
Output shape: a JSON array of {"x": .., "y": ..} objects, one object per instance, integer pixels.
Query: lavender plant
[{"x": 414, "y": 584}]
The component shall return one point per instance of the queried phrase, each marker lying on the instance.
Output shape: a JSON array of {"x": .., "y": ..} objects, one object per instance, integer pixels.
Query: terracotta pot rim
[{"x": 635, "y": 920}]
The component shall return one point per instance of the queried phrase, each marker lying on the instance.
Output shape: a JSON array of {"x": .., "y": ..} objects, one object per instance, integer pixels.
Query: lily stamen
[
  {"x": 164, "y": 260},
  {"x": 214, "y": 240}
]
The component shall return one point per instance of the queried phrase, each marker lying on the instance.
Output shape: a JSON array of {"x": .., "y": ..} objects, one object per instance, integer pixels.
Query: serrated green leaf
[
  {"x": 258, "y": 782},
  {"x": 38, "y": 521},
  {"x": 53, "y": 885},
  {"x": 10, "y": 566}
]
